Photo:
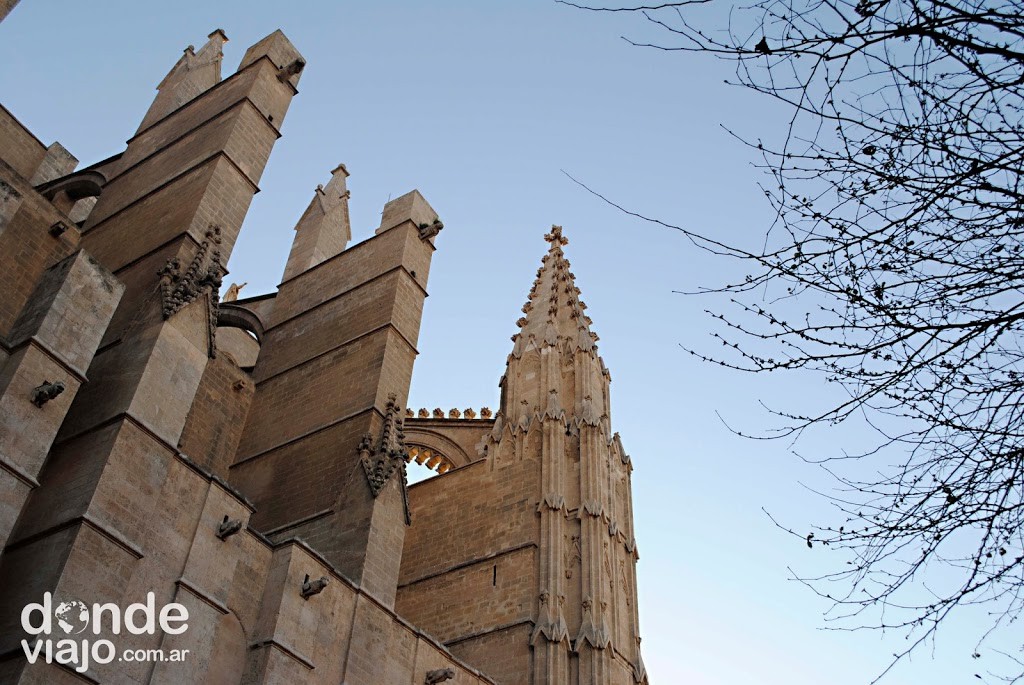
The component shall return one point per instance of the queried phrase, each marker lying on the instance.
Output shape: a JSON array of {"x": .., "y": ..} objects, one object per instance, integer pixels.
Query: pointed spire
[
  {"x": 553, "y": 311},
  {"x": 556, "y": 388},
  {"x": 324, "y": 229},
  {"x": 193, "y": 74}
]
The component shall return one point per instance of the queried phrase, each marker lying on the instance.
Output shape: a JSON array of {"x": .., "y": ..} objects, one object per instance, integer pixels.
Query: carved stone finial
[
  {"x": 454, "y": 413},
  {"x": 424, "y": 414},
  {"x": 439, "y": 675},
  {"x": 485, "y": 413},
  {"x": 438, "y": 413},
  {"x": 228, "y": 527},
  {"x": 313, "y": 587},
  {"x": 42, "y": 394},
  {"x": 469, "y": 413},
  {"x": 556, "y": 237}
]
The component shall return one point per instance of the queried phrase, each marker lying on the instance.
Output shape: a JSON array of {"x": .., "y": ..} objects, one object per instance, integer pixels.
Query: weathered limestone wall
[
  {"x": 26, "y": 219},
  {"x": 248, "y": 621},
  {"x": 506, "y": 652},
  {"x": 19, "y": 149},
  {"x": 53, "y": 342},
  {"x": 469, "y": 569},
  {"x": 215, "y": 421},
  {"x": 56, "y": 304}
]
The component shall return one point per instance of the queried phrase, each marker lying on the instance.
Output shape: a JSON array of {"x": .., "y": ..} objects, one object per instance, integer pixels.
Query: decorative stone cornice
[
  {"x": 453, "y": 414},
  {"x": 591, "y": 508},
  {"x": 552, "y": 502}
]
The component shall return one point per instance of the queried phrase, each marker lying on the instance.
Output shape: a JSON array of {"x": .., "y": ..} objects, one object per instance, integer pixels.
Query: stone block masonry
[{"x": 244, "y": 462}]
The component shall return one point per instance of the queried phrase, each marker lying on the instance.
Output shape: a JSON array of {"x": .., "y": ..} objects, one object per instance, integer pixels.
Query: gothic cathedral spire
[{"x": 555, "y": 409}]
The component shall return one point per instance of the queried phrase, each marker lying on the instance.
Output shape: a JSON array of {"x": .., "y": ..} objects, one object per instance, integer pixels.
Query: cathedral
[{"x": 201, "y": 488}]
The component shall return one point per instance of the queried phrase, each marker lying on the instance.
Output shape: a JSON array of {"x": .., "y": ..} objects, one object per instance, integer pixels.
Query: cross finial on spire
[{"x": 556, "y": 236}]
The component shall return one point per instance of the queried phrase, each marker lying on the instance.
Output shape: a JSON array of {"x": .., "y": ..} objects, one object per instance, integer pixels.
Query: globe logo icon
[{"x": 72, "y": 616}]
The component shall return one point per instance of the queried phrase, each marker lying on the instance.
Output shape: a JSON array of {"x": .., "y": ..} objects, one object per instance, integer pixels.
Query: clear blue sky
[{"x": 480, "y": 105}]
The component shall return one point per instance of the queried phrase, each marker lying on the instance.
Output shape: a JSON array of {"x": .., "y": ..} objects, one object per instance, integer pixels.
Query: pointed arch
[{"x": 433, "y": 450}]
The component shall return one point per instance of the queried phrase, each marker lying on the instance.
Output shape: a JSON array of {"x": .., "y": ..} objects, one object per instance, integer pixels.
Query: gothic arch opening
[{"x": 431, "y": 458}]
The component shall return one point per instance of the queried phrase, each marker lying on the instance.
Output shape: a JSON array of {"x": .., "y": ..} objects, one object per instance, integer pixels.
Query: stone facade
[{"x": 246, "y": 459}]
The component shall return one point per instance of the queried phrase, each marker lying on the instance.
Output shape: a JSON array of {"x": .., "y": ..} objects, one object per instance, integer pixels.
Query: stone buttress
[
  {"x": 321, "y": 454},
  {"x": 108, "y": 518}
]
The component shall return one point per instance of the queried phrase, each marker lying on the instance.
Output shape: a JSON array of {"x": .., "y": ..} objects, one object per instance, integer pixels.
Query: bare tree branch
[{"x": 893, "y": 266}]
